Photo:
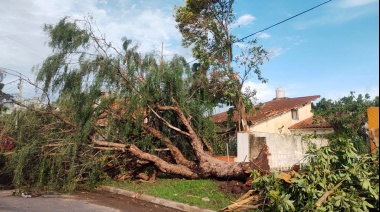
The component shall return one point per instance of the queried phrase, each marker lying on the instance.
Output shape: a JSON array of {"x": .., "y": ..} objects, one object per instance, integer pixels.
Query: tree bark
[
  {"x": 243, "y": 126},
  {"x": 204, "y": 166},
  {"x": 207, "y": 167}
]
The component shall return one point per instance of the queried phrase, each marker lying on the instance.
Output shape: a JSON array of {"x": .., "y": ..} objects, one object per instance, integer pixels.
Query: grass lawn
[{"x": 181, "y": 190}]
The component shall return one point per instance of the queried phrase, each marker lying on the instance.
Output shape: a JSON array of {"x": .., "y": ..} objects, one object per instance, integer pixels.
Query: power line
[
  {"x": 242, "y": 39},
  {"x": 20, "y": 44},
  {"x": 11, "y": 82},
  {"x": 17, "y": 73}
]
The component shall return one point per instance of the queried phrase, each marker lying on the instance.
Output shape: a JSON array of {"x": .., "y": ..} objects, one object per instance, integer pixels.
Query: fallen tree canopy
[
  {"x": 335, "y": 178},
  {"x": 116, "y": 109}
]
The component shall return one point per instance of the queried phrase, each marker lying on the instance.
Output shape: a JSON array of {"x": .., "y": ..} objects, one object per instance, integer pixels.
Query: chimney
[{"x": 280, "y": 93}]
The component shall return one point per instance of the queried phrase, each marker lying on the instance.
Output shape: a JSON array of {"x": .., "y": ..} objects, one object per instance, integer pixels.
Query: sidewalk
[{"x": 155, "y": 200}]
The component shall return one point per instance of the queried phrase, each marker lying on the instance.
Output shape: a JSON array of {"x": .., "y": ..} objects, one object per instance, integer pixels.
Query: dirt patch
[{"x": 233, "y": 187}]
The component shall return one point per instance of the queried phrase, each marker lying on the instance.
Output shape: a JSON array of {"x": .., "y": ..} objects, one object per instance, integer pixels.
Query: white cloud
[
  {"x": 263, "y": 35},
  {"x": 149, "y": 27},
  {"x": 102, "y": 1},
  {"x": 23, "y": 42},
  {"x": 341, "y": 12},
  {"x": 243, "y": 20},
  {"x": 299, "y": 42},
  {"x": 275, "y": 52},
  {"x": 264, "y": 91},
  {"x": 241, "y": 45},
  {"x": 355, "y": 3},
  {"x": 333, "y": 18}
]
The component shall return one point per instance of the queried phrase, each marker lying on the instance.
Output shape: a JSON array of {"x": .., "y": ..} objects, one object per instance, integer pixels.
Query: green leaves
[
  {"x": 327, "y": 167},
  {"x": 206, "y": 27},
  {"x": 66, "y": 35},
  {"x": 365, "y": 184},
  {"x": 105, "y": 94},
  {"x": 347, "y": 116}
]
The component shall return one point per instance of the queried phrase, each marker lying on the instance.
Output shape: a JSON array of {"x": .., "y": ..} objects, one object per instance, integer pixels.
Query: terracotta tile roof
[
  {"x": 117, "y": 110},
  {"x": 308, "y": 124},
  {"x": 268, "y": 109}
]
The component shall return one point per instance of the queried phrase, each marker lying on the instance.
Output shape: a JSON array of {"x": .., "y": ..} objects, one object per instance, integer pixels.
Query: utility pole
[
  {"x": 162, "y": 54},
  {"x": 19, "y": 97}
]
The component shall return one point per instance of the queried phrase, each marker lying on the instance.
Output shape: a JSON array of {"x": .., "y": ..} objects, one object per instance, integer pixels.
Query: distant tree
[
  {"x": 347, "y": 116},
  {"x": 3, "y": 96},
  {"x": 206, "y": 28}
]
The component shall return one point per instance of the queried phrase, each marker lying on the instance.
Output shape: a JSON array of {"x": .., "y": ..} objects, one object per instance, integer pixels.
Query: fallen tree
[
  {"x": 115, "y": 108},
  {"x": 335, "y": 178}
]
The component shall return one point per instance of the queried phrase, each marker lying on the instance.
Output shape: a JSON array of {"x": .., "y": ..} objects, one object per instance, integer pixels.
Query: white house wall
[
  {"x": 242, "y": 147},
  {"x": 281, "y": 123},
  {"x": 320, "y": 131},
  {"x": 285, "y": 150}
]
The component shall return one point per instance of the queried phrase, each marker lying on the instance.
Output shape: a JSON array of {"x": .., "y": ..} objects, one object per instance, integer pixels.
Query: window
[{"x": 294, "y": 114}]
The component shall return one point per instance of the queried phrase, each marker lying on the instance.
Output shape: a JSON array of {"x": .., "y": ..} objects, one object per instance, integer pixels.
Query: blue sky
[{"x": 329, "y": 51}]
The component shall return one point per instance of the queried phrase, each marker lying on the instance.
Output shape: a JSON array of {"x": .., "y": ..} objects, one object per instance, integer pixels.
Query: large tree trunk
[
  {"x": 205, "y": 165},
  {"x": 242, "y": 124}
]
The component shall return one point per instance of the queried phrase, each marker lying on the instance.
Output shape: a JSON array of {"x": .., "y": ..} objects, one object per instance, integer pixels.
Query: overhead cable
[{"x": 242, "y": 39}]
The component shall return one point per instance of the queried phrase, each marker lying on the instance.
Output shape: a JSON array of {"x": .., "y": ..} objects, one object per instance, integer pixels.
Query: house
[
  {"x": 282, "y": 115},
  {"x": 117, "y": 110},
  {"x": 33, "y": 102},
  {"x": 279, "y": 125}
]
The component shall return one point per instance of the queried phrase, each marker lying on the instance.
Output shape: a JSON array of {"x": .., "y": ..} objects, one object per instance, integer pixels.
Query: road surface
[{"x": 98, "y": 201}]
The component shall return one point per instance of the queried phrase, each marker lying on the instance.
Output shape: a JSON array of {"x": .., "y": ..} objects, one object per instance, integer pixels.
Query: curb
[{"x": 155, "y": 200}]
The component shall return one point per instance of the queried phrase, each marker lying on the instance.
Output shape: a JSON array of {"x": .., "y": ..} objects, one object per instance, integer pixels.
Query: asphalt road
[{"x": 99, "y": 201}]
